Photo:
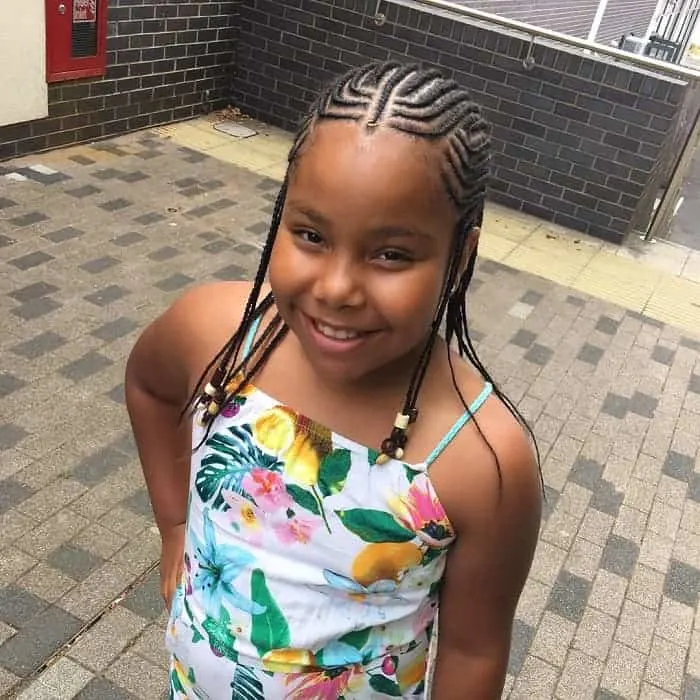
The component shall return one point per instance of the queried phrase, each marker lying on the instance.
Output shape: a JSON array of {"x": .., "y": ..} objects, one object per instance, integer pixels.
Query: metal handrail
[{"x": 673, "y": 70}]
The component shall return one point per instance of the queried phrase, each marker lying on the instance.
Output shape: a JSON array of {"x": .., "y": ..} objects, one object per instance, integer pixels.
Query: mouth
[{"x": 336, "y": 338}]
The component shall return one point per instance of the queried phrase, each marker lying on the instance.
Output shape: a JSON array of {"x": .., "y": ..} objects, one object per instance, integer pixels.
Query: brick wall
[
  {"x": 576, "y": 139},
  {"x": 574, "y": 17},
  {"x": 167, "y": 60}
]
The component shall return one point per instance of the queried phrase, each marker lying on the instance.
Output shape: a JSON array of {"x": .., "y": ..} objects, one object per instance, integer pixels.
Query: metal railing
[{"x": 534, "y": 33}]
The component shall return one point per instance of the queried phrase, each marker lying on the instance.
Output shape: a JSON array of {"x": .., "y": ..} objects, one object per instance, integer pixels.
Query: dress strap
[
  {"x": 250, "y": 338},
  {"x": 461, "y": 422}
]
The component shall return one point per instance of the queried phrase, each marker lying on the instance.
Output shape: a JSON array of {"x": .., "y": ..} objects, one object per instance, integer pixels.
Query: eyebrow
[{"x": 385, "y": 232}]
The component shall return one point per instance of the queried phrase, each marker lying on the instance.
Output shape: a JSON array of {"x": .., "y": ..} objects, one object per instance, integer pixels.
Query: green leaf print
[
  {"x": 219, "y": 635},
  {"x": 269, "y": 629},
  {"x": 374, "y": 525},
  {"x": 233, "y": 455},
  {"x": 356, "y": 639},
  {"x": 176, "y": 683},
  {"x": 303, "y": 498},
  {"x": 246, "y": 685},
  {"x": 333, "y": 472},
  {"x": 372, "y": 456},
  {"x": 385, "y": 685},
  {"x": 411, "y": 473}
]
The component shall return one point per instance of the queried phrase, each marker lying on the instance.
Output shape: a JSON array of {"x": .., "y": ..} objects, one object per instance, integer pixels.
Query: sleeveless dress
[{"x": 311, "y": 573}]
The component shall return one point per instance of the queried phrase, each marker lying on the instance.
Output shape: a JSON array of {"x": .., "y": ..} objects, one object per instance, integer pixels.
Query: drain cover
[{"x": 234, "y": 129}]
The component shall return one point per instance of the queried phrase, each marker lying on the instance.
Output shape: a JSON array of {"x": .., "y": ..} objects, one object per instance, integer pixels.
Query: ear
[{"x": 469, "y": 248}]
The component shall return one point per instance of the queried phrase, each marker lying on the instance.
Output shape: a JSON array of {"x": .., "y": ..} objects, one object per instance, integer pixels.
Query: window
[{"x": 76, "y": 36}]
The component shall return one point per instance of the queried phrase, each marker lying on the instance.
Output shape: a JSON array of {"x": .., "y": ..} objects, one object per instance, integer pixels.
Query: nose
[{"x": 338, "y": 284}]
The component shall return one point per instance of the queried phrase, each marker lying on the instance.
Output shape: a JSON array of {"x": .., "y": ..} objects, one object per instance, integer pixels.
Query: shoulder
[
  {"x": 490, "y": 472},
  {"x": 177, "y": 346}
]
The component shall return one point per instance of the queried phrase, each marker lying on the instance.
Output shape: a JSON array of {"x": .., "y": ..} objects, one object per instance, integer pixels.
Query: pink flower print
[
  {"x": 421, "y": 511},
  {"x": 267, "y": 488},
  {"x": 324, "y": 685},
  {"x": 296, "y": 529},
  {"x": 231, "y": 409}
]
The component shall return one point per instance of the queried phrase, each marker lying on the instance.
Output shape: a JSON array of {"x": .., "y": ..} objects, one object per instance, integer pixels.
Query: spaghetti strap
[
  {"x": 461, "y": 422},
  {"x": 250, "y": 338}
]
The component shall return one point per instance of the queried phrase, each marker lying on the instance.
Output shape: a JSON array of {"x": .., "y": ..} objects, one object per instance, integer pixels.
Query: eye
[
  {"x": 310, "y": 237},
  {"x": 394, "y": 256}
]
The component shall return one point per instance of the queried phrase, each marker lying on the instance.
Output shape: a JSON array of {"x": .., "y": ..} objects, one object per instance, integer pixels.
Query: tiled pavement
[{"x": 95, "y": 241}]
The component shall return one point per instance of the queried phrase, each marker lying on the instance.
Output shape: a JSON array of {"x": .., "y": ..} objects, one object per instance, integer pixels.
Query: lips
[
  {"x": 332, "y": 338},
  {"x": 335, "y": 333}
]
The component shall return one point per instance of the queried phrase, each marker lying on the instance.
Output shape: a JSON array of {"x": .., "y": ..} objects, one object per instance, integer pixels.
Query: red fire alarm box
[{"x": 76, "y": 38}]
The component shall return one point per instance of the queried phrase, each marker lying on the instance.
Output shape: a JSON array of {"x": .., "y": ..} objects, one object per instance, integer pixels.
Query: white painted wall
[{"x": 23, "y": 90}]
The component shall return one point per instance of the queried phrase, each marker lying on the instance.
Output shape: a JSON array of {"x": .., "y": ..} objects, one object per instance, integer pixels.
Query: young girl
[{"x": 350, "y": 472}]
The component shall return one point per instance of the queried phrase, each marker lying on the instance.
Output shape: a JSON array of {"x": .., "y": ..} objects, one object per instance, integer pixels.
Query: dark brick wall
[
  {"x": 167, "y": 60},
  {"x": 574, "y": 17},
  {"x": 576, "y": 139}
]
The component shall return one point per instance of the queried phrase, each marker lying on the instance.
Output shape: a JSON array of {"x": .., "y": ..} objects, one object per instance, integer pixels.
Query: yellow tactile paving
[{"x": 660, "y": 280}]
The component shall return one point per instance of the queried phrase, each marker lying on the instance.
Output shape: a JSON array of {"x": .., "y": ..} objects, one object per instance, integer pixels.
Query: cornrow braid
[{"x": 424, "y": 104}]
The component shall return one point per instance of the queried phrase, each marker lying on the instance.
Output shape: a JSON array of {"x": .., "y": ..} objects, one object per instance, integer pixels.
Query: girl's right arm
[{"x": 160, "y": 374}]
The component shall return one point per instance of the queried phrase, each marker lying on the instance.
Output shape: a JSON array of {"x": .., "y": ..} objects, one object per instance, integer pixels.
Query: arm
[
  {"x": 486, "y": 572},
  {"x": 161, "y": 372}
]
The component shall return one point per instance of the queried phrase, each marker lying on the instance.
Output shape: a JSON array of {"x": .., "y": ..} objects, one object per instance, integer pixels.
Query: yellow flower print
[
  {"x": 301, "y": 463},
  {"x": 274, "y": 430},
  {"x": 244, "y": 391},
  {"x": 289, "y": 661},
  {"x": 248, "y": 516},
  {"x": 385, "y": 561},
  {"x": 411, "y": 674}
]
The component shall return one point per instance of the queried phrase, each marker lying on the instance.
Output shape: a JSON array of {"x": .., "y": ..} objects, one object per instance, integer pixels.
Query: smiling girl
[{"x": 343, "y": 472}]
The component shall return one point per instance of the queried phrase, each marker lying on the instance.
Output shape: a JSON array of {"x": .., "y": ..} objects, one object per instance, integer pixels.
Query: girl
[{"x": 349, "y": 471}]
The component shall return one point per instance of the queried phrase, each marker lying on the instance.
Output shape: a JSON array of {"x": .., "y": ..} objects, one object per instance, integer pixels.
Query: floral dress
[{"x": 311, "y": 572}]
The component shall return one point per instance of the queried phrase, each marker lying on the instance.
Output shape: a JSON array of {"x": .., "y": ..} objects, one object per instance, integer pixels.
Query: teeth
[{"x": 336, "y": 333}]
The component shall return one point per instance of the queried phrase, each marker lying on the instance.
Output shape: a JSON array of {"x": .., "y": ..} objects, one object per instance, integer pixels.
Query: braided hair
[{"x": 424, "y": 104}]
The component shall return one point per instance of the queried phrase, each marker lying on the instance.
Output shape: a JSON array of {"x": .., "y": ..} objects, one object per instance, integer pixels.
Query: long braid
[{"x": 423, "y": 104}]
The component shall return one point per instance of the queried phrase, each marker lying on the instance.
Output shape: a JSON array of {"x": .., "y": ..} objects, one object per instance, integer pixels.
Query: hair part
[{"x": 424, "y": 104}]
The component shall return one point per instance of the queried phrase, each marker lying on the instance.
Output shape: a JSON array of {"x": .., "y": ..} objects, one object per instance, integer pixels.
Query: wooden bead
[
  {"x": 382, "y": 459},
  {"x": 399, "y": 453}
]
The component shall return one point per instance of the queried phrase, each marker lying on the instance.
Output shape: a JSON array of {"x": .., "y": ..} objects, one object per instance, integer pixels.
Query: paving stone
[
  {"x": 616, "y": 405},
  {"x": 98, "y": 265},
  {"x": 569, "y": 596},
  {"x": 11, "y": 435},
  {"x": 113, "y": 330},
  {"x": 26, "y": 262},
  {"x": 619, "y": 556},
  {"x": 5, "y": 203},
  {"x": 18, "y": 606},
  {"x": 65, "y": 234},
  {"x": 663, "y": 355},
  {"x": 73, "y": 561},
  {"x": 623, "y": 673},
  {"x": 520, "y": 646},
  {"x": 9, "y": 384},
  {"x": 90, "y": 363},
  {"x": 64, "y": 679},
  {"x": 12, "y": 493},
  {"x": 216, "y": 247},
  {"x": 36, "y": 308},
  {"x": 93, "y": 469},
  {"x": 150, "y": 218},
  {"x": 128, "y": 239},
  {"x": 552, "y": 638},
  {"x": 137, "y": 676},
  {"x": 107, "y": 295},
  {"x": 33, "y": 291},
  {"x": 84, "y": 191},
  {"x": 100, "y": 689},
  {"x": 539, "y": 354},
  {"x": 165, "y": 253},
  {"x": 694, "y": 384},
  {"x": 537, "y": 679},
  {"x": 38, "y": 641},
  {"x": 133, "y": 177},
  {"x": 139, "y": 502},
  {"x": 174, "y": 282},
  {"x": 643, "y": 405},
  {"x": 691, "y": 688},
  {"x": 6, "y": 241},
  {"x": 580, "y": 676},
  {"x": 607, "y": 498},
  {"x": 99, "y": 646},
  {"x": 678, "y": 466},
  {"x": 682, "y": 583},
  {"x": 145, "y": 600},
  {"x": 36, "y": 347},
  {"x": 607, "y": 325},
  {"x": 590, "y": 354},
  {"x": 230, "y": 273},
  {"x": 665, "y": 665},
  {"x": 30, "y": 219}
]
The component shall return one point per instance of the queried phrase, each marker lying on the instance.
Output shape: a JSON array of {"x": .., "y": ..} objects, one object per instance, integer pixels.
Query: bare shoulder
[
  {"x": 177, "y": 346},
  {"x": 490, "y": 470}
]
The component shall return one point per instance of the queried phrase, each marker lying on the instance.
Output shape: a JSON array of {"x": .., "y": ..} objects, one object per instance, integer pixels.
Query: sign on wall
[{"x": 84, "y": 11}]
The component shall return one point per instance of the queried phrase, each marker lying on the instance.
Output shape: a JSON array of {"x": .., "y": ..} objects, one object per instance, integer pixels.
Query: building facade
[
  {"x": 576, "y": 17},
  {"x": 78, "y": 70}
]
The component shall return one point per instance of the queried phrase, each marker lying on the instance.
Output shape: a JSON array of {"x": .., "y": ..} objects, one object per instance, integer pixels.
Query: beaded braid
[{"x": 424, "y": 104}]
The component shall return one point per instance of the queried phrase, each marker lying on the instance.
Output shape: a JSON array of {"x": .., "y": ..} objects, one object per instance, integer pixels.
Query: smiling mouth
[{"x": 337, "y": 333}]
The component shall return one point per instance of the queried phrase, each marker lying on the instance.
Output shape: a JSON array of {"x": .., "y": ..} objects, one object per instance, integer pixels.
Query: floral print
[{"x": 310, "y": 571}]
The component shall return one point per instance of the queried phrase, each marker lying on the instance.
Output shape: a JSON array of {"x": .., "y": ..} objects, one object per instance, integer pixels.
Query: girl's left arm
[{"x": 486, "y": 571}]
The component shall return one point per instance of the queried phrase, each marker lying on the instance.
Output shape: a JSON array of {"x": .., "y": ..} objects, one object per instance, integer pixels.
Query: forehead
[{"x": 378, "y": 174}]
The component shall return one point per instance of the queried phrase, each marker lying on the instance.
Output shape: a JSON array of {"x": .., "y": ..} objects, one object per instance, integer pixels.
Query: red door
[{"x": 76, "y": 33}]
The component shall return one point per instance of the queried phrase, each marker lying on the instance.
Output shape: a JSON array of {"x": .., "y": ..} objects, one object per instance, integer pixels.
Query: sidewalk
[{"x": 96, "y": 241}]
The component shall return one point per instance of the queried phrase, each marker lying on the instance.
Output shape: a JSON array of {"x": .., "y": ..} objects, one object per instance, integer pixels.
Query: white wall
[{"x": 23, "y": 91}]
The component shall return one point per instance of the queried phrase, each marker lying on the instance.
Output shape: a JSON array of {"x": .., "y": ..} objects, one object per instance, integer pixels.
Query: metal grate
[{"x": 84, "y": 39}]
